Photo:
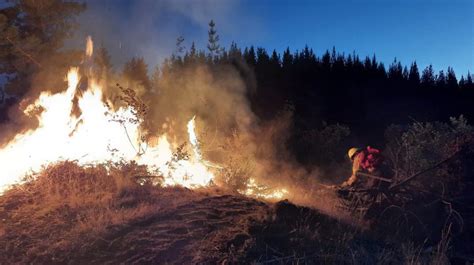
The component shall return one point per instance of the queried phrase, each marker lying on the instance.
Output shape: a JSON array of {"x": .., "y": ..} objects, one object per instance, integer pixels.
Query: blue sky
[{"x": 438, "y": 32}]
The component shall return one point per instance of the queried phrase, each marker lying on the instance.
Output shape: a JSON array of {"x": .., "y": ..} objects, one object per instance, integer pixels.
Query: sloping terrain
[
  {"x": 205, "y": 230},
  {"x": 101, "y": 215}
]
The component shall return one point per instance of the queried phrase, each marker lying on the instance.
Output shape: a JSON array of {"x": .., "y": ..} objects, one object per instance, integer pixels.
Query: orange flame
[
  {"x": 89, "y": 46},
  {"x": 93, "y": 137},
  {"x": 96, "y": 137}
]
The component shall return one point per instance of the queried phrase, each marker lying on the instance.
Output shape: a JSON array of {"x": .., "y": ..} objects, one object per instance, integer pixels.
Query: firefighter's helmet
[{"x": 352, "y": 152}]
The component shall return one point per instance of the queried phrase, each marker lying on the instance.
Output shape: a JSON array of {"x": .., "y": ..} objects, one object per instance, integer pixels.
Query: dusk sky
[{"x": 438, "y": 32}]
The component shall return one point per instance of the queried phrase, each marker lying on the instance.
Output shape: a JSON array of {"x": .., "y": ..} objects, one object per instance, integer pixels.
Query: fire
[
  {"x": 93, "y": 137},
  {"x": 89, "y": 46},
  {"x": 78, "y": 125},
  {"x": 254, "y": 189},
  {"x": 193, "y": 138}
]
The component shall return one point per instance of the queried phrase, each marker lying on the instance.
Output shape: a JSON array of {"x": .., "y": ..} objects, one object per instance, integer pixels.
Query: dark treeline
[
  {"x": 330, "y": 88},
  {"x": 326, "y": 88}
]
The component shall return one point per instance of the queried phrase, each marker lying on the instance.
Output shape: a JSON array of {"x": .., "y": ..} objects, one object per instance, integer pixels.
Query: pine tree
[
  {"x": 333, "y": 55},
  {"x": 374, "y": 63},
  {"x": 367, "y": 63},
  {"x": 213, "y": 40},
  {"x": 180, "y": 48},
  {"x": 395, "y": 71},
  {"x": 32, "y": 36},
  {"x": 262, "y": 57},
  {"x": 287, "y": 60},
  {"x": 275, "y": 59},
  {"x": 414, "y": 75},
  {"x": 249, "y": 56},
  {"x": 451, "y": 79},
  {"x": 428, "y": 77},
  {"x": 469, "y": 83},
  {"x": 190, "y": 57},
  {"x": 462, "y": 82},
  {"x": 441, "y": 80},
  {"x": 326, "y": 61},
  {"x": 381, "y": 72},
  {"x": 234, "y": 52},
  {"x": 405, "y": 73},
  {"x": 466, "y": 83},
  {"x": 102, "y": 62},
  {"x": 192, "y": 50},
  {"x": 136, "y": 70}
]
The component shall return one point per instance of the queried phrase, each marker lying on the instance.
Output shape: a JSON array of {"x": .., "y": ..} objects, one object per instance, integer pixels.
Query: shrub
[{"x": 420, "y": 145}]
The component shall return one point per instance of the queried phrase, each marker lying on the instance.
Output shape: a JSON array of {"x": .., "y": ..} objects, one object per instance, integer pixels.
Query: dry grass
[
  {"x": 67, "y": 207},
  {"x": 105, "y": 214}
]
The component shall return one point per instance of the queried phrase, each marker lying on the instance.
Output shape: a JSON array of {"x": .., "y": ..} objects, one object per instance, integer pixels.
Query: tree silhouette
[
  {"x": 395, "y": 71},
  {"x": 428, "y": 77},
  {"x": 451, "y": 80},
  {"x": 102, "y": 62},
  {"x": 329, "y": 88},
  {"x": 441, "y": 80},
  {"x": 213, "y": 40},
  {"x": 414, "y": 75},
  {"x": 136, "y": 70},
  {"x": 180, "y": 48}
]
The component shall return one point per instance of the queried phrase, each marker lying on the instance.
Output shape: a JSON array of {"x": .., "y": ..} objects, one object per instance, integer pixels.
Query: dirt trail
[{"x": 182, "y": 235}]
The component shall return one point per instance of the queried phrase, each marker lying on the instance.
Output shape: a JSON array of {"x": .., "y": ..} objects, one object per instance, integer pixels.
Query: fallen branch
[
  {"x": 374, "y": 176},
  {"x": 410, "y": 178}
]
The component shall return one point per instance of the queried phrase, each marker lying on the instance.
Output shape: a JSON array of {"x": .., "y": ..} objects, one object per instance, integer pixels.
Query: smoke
[{"x": 231, "y": 135}]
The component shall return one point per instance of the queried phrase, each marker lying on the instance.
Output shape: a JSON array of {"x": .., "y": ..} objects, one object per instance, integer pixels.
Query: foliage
[
  {"x": 33, "y": 33},
  {"x": 136, "y": 72},
  {"x": 324, "y": 147},
  {"x": 239, "y": 165},
  {"x": 360, "y": 93},
  {"x": 420, "y": 145},
  {"x": 213, "y": 41},
  {"x": 130, "y": 98},
  {"x": 102, "y": 61}
]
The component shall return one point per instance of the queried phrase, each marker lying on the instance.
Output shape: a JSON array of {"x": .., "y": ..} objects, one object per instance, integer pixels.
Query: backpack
[{"x": 372, "y": 159}]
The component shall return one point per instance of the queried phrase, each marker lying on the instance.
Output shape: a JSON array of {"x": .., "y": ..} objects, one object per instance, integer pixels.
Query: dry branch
[
  {"x": 373, "y": 176},
  {"x": 410, "y": 178}
]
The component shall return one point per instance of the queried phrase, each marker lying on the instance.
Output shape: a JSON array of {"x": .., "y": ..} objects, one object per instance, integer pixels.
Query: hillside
[
  {"x": 99, "y": 215},
  {"x": 70, "y": 214}
]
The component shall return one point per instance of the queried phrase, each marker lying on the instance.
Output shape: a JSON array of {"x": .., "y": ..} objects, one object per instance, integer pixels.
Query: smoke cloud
[{"x": 232, "y": 137}]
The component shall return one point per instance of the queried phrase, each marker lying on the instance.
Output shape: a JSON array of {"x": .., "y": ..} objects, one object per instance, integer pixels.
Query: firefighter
[{"x": 368, "y": 160}]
